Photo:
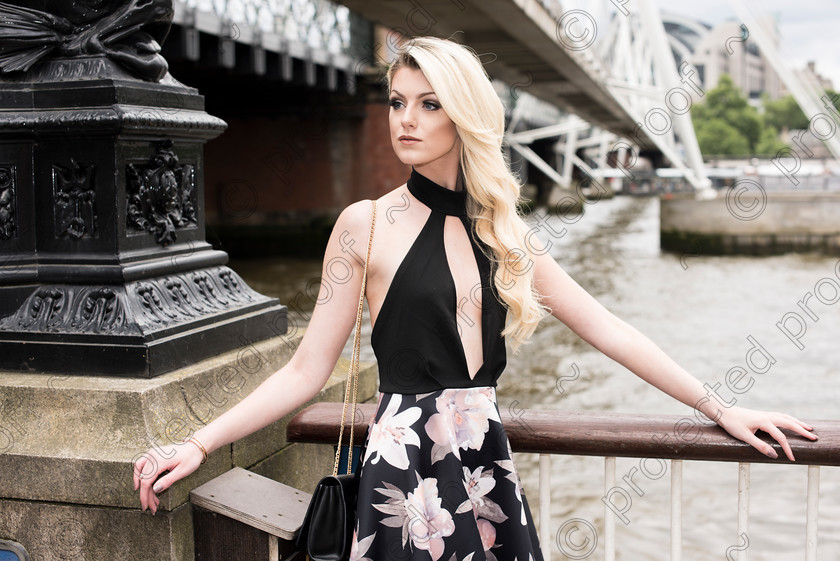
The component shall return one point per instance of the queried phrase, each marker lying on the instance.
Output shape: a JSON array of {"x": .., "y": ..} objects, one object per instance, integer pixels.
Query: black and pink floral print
[{"x": 438, "y": 482}]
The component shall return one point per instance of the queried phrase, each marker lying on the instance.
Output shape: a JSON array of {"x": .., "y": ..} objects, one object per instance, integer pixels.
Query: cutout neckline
[{"x": 400, "y": 272}]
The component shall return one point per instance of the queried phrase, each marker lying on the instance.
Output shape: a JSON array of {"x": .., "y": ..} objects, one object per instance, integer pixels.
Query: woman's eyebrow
[{"x": 418, "y": 95}]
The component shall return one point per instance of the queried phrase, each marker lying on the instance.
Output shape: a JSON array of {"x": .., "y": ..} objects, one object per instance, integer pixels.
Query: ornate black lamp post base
[
  {"x": 141, "y": 329},
  {"x": 104, "y": 268}
]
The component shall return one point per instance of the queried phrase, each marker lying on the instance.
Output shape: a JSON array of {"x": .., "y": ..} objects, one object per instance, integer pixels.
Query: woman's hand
[
  {"x": 742, "y": 424},
  {"x": 179, "y": 460}
]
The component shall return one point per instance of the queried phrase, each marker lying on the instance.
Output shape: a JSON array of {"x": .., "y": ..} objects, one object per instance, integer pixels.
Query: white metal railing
[
  {"x": 612, "y": 435},
  {"x": 676, "y": 465},
  {"x": 740, "y": 551}
]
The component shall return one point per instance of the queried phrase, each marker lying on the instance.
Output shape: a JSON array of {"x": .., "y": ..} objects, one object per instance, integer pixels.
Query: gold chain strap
[{"x": 353, "y": 373}]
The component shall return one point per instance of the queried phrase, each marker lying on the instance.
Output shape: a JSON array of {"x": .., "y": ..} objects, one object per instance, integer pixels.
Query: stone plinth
[
  {"x": 749, "y": 220},
  {"x": 68, "y": 443}
]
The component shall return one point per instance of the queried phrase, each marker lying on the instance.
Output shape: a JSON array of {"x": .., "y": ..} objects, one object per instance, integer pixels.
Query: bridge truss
[{"x": 633, "y": 60}]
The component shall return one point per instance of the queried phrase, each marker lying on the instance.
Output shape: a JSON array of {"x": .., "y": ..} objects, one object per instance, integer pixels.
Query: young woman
[{"x": 452, "y": 278}]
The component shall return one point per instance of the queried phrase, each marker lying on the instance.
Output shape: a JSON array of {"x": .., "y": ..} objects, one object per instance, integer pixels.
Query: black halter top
[{"x": 415, "y": 338}]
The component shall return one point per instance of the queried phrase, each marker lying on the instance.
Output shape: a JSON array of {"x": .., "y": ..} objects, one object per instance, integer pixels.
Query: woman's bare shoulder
[{"x": 357, "y": 216}]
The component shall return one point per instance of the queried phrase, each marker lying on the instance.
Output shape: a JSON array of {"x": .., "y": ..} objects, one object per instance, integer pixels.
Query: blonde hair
[{"x": 468, "y": 98}]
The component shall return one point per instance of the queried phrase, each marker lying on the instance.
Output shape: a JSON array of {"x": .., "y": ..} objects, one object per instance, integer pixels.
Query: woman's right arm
[{"x": 295, "y": 383}]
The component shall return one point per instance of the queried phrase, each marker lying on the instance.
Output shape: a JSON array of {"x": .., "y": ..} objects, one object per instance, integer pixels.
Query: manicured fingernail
[
  {"x": 773, "y": 454},
  {"x": 156, "y": 488}
]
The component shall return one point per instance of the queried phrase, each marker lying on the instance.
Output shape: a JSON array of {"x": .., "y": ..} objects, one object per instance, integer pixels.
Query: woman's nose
[{"x": 409, "y": 118}]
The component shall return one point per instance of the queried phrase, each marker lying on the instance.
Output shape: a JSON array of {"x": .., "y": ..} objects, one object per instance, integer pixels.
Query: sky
[{"x": 810, "y": 29}]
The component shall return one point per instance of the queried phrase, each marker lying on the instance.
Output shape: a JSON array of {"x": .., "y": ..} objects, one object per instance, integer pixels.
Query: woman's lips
[{"x": 408, "y": 140}]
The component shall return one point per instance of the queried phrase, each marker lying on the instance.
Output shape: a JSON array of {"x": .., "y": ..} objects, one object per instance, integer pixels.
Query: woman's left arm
[{"x": 584, "y": 315}]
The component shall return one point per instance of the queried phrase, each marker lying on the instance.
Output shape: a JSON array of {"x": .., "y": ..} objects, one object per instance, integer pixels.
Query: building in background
[
  {"x": 724, "y": 49},
  {"x": 810, "y": 76}
]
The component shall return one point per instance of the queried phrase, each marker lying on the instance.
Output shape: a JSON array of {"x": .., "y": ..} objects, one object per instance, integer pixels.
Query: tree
[
  {"x": 726, "y": 124},
  {"x": 769, "y": 143},
  {"x": 835, "y": 98},
  {"x": 716, "y": 136},
  {"x": 784, "y": 113}
]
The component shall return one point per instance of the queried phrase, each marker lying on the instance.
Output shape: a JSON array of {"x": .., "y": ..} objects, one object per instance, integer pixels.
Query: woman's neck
[{"x": 452, "y": 179}]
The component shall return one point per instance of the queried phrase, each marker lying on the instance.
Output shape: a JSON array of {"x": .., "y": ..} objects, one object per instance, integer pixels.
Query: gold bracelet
[{"x": 201, "y": 447}]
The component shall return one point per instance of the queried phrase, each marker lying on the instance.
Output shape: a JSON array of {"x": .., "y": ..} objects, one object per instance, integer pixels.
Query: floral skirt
[{"x": 438, "y": 482}]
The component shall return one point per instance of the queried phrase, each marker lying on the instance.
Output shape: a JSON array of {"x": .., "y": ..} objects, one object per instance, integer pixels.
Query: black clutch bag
[{"x": 327, "y": 530}]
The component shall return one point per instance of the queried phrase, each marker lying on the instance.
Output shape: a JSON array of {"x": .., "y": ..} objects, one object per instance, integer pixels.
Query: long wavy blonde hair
[{"x": 468, "y": 98}]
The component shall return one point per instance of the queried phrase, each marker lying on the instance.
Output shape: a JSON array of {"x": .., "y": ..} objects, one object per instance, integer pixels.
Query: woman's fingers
[
  {"x": 781, "y": 420},
  {"x": 793, "y": 424},
  {"x": 155, "y": 472},
  {"x": 138, "y": 469},
  {"x": 745, "y": 422},
  {"x": 777, "y": 435},
  {"x": 140, "y": 478},
  {"x": 797, "y": 426},
  {"x": 750, "y": 438},
  {"x": 146, "y": 470},
  {"x": 163, "y": 483},
  {"x": 154, "y": 502}
]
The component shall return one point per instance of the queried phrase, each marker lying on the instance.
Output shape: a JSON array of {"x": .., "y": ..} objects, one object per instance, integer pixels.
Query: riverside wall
[{"x": 751, "y": 222}]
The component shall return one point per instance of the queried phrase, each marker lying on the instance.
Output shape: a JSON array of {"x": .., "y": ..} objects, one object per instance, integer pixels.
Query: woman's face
[{"x": 422, "y": 134}]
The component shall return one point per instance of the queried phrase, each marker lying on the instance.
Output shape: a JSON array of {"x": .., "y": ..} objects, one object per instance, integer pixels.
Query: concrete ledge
[
  {"x": 58, "y": 532},
  {"x": 69, "y": 442},
  {"x": 749, "y": 220}
]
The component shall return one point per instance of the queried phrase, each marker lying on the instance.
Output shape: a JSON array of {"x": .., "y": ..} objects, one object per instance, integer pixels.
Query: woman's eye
[
  {"x": 431, "y": 105},
  {"x": 395, "y": 103}
]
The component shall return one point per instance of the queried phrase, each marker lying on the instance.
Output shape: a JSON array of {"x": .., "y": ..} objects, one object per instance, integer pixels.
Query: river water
[{"x": 706, "y": 312}]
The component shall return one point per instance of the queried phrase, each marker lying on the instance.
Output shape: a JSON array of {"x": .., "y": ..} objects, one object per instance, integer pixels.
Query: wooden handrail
[{"x": 600, "y": 434}]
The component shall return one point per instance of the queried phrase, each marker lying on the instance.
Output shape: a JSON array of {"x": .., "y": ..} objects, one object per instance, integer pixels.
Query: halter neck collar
[{"x": 437, "y": 197}]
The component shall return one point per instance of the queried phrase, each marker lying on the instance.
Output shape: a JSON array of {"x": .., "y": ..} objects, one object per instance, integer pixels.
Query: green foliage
[
  {"x": 835, "y": 98},
  {"x": 716, "y": 136},
  {"x": 784, "y": 113},
  {"x": 726, "y": 124},
  {"x": 769, "y": 143}
]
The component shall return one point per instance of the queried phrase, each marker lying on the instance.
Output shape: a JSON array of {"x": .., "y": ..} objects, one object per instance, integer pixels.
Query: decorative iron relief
[
  {"x": 128, "y": 32},
  {"x": 8, "y": 221},
  {"x": 161, "y": 195},
  {"x": 71, "y": 309},
  {"x": 139, "y": 307},
  {"x": 74, "y": 196},
  {"x": 186, "y": 296}
]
